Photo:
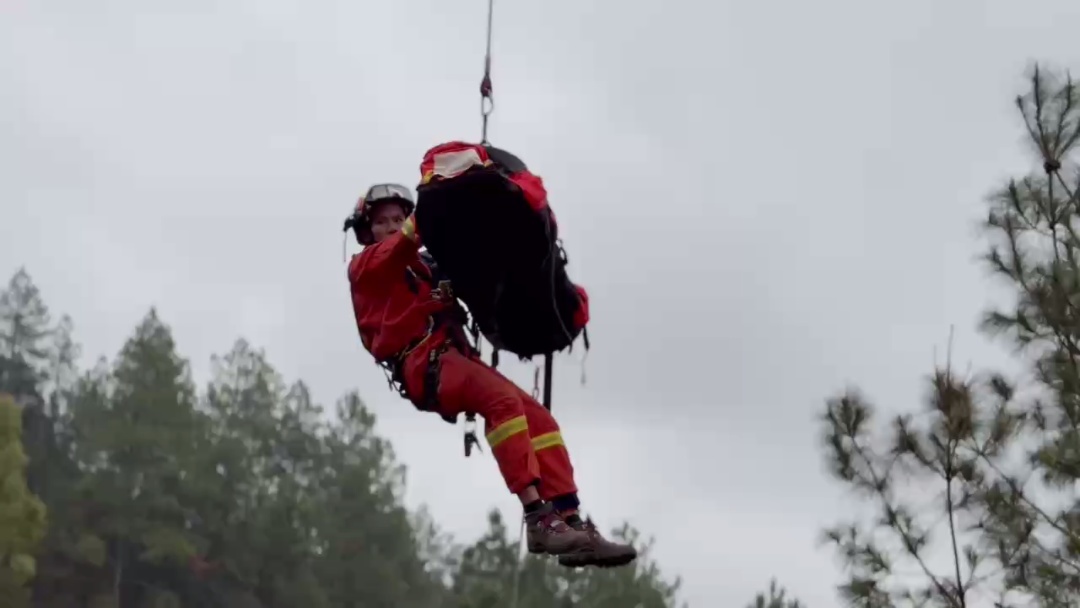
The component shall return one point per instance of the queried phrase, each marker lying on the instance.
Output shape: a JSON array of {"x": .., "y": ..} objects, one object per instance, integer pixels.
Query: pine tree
[
  {"x": 24, "y": 328},
  {"x": 368, "y": 551},
  {"x": 246, "y": 534},
  {"x": 976, "y": 496},
  {"x": 138, "y": 429},
  {"x": 24, "y": 321},
  {"x": 63, "y": 355}
]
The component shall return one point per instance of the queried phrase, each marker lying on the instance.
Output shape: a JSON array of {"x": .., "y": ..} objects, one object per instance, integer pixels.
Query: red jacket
[{"x": 392, "y": 296}]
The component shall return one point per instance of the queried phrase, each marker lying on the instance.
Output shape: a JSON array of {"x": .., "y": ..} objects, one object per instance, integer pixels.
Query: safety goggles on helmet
[
  {"x": 380, "y": 192},
  {"x": 360, "y": 220}
]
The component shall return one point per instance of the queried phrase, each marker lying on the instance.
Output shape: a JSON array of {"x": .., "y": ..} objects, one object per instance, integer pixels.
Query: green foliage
[
  {"x": 976, "y": 495},
  {"x": 243, "y": 495},
  {"x": 775, "y": 598},
  {"x": 22, "y": 515},
  {"x": 24, "y": 320}
]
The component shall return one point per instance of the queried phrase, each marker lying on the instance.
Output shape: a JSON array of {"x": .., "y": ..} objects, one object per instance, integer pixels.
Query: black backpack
[{"x": 485, "y": 220}]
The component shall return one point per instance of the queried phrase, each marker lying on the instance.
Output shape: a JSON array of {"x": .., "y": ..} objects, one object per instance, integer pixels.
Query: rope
[
  {"x": 487, "y": 106},
  {"x": 487, "y": 101},
  {"x": 517, "y": 567}
]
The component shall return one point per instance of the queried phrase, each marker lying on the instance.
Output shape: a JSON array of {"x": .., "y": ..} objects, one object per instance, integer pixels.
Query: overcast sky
[{"x": 767, "y": 201}]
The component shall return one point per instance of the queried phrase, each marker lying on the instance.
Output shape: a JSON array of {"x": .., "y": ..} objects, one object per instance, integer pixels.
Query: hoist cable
[
  {"x": 487, "y": 101},
  {"x": 487, "y": 106},
  {"x": 518, "y": 567}
]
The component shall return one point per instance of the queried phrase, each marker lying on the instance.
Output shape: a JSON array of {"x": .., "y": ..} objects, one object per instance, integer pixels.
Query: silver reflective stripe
[{"x": 381, "y": 191}]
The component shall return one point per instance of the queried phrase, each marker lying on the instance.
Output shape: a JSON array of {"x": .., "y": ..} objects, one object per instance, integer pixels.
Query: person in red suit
[{"x": 415, "y": 330}]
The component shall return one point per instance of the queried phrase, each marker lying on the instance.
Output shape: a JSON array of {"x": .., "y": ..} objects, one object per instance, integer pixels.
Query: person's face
[{"x": 386, "y": 219}]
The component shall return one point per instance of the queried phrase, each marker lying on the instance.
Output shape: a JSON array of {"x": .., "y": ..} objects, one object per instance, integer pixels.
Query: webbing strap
[{"x": 547, "y": 381}]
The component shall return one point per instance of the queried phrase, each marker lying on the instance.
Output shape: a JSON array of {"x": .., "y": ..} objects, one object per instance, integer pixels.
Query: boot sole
[
  {"x": 582, "y": 560},
  {"x": 608, "y": 561}
]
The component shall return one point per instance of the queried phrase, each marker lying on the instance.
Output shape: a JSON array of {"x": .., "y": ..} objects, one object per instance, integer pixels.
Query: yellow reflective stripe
[
  {"x": 502, "y": 432},
  {"x": 547, "y": 440}
]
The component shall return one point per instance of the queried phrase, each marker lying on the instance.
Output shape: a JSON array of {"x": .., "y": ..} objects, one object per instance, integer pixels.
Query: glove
[{"x": 408, "y": 228}]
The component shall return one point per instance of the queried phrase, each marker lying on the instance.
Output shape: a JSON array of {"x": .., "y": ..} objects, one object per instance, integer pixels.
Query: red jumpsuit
[{"x": 403, "y": 321}]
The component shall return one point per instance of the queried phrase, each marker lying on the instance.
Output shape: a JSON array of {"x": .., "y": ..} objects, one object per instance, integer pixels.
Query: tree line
[{"x": 125, "y": 485}]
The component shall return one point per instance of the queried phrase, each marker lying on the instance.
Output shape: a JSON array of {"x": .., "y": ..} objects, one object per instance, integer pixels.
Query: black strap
[
  {"x": 470, "y": 438},
  {"x": 431, "y": 378},
  {"x": 547, "y": 381}
]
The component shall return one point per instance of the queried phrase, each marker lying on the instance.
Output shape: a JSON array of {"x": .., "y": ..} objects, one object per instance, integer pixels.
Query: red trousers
[{"x": 523, "y": 436}]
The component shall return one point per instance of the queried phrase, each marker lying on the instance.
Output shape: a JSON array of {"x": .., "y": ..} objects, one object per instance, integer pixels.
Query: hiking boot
[
  {"x": 598, "y": 551},
  {"x": 546, "y": 532}
]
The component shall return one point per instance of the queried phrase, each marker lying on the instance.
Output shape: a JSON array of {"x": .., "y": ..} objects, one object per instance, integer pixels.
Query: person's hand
[{"x": 443, "y": 291}]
